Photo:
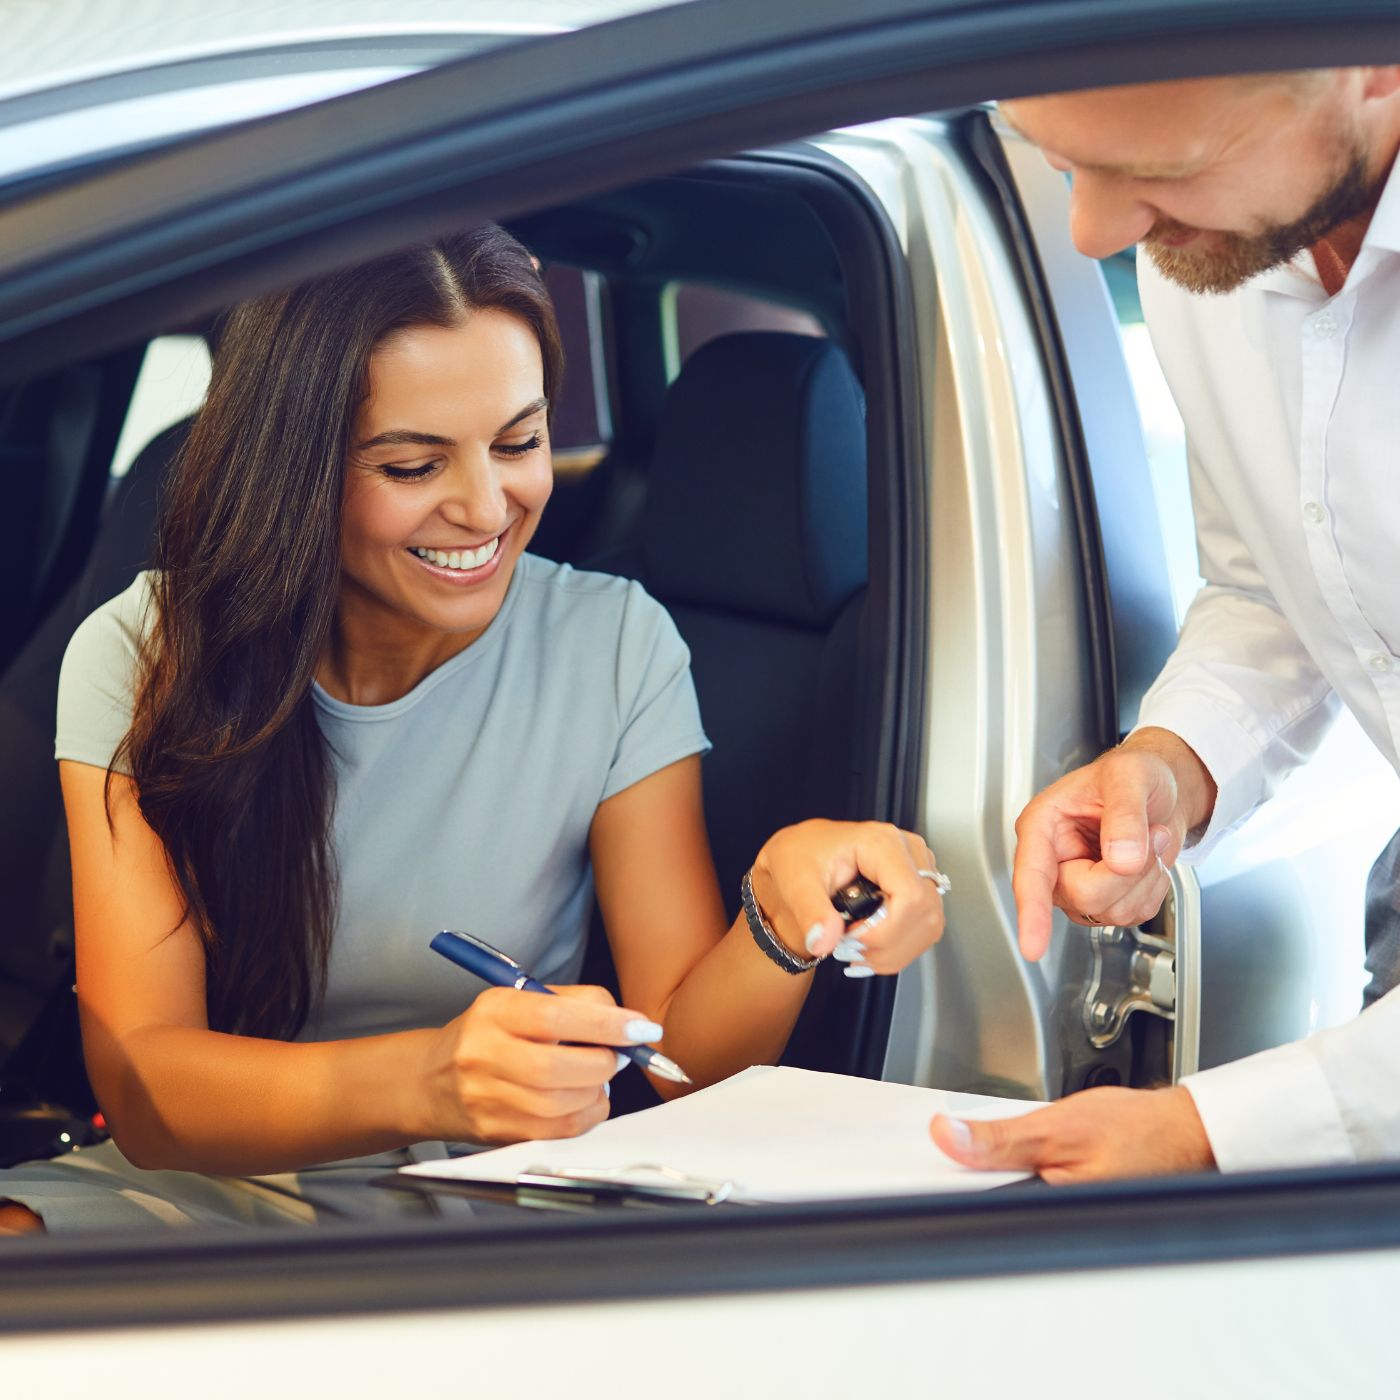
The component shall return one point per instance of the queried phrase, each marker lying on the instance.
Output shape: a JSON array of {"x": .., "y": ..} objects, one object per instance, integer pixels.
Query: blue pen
[{"x": 493, "y": 966}]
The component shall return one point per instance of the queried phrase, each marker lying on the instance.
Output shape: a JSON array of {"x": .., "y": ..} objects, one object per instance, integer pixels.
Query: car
[{"x": 709, "y": 186}]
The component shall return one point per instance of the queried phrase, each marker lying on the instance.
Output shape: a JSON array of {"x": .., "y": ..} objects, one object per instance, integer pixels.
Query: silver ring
[{"x": 940, "y": 881}]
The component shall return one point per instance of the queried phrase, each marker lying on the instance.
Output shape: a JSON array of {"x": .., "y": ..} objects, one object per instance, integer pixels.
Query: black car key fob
[{"x": 857, "y": 900}]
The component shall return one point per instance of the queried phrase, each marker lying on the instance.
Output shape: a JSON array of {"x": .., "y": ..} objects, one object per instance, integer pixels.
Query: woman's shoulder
[
  {"x": 114, "y": 631},
  {"x": 97, "y": 683},
  {"x": 562, "y": 590},
  {"x": 600, "y": 620}
]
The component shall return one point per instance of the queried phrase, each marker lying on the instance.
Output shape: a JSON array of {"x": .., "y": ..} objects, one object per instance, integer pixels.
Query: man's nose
[{"x": 1104, "y": 216}]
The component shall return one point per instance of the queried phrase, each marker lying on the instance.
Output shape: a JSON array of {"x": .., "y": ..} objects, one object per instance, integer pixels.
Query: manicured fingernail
[
  {"x": 1159, "y": 841},
  {"x": 607, "y": 1091},
  {"x": 642, "y": 1032},
  {"x": 622, "y": 1062},
  {"x": 859, "y": 970},
  {"x": 814, "y": 936},
  {"x": 960, "y": 1133},
  {"x": 848, "y": 950},
  {"x": 1123, "y": 850}
]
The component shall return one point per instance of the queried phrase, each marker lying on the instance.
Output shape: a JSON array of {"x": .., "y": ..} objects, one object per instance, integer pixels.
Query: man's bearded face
[{"x": 1215, "y": 261}]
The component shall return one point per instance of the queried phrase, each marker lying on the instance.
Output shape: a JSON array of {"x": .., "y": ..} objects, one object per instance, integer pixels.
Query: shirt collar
[
  {"x": 1299, "y": 277},
  {"x": 1384, "y": 231}
]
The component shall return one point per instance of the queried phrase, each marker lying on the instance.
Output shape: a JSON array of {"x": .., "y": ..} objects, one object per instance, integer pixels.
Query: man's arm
[
  {"x": 1330, "y": 1100},
  {"x": 1237, "y": 706}
]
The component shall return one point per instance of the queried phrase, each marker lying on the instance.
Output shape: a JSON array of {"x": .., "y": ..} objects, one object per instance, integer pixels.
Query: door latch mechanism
[{"x": 1129, "y": 971}]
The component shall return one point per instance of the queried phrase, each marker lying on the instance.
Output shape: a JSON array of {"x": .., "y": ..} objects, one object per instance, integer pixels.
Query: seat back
[
  {"x": 36, "y": 938},
  {"x": 755, "y": 539}
]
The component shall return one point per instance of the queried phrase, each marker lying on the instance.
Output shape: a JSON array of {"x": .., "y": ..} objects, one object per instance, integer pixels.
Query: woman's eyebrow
[
  {"x": 530, "y": 408},
  {"x": 405, "y": 437}
]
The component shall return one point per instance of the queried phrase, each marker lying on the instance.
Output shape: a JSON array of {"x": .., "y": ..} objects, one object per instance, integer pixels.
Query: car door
[{"x": 158, "y": 239}]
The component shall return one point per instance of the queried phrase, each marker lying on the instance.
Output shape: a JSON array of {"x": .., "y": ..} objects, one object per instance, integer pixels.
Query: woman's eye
[
  {"x": 407, "y": 473},
  {"x": 518, "y": 449}
]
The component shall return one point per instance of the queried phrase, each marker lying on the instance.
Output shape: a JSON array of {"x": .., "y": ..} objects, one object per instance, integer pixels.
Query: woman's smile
[{"x": 462, "y": 567}]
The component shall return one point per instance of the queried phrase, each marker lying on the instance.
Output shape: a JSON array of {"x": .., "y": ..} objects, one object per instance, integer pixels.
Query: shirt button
[
  {"x": 1380, "y": 662},
  {"x": 1325, "y": 327},
  {"x": 1314, "y": 513}
]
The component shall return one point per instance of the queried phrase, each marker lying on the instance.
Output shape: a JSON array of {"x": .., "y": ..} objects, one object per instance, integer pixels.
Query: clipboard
[
  {"x": 644, "y": 1185},
  {"x": 776, "y": 1135}
]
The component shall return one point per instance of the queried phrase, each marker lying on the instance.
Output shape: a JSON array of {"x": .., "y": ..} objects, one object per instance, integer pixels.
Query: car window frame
[{"x": 748, "y": 86}]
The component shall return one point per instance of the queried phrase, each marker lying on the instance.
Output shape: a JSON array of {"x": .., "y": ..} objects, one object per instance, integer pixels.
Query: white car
[{"x": 693, "y": 175}]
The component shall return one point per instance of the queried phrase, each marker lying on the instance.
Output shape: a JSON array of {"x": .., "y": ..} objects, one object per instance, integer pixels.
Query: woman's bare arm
[
  {"x": 178, "y": 1095},
  {"x": 724, "y": 1003}
]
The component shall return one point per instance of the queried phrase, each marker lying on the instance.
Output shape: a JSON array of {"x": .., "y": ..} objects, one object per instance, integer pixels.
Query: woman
[{"x": 347, "y": 709}]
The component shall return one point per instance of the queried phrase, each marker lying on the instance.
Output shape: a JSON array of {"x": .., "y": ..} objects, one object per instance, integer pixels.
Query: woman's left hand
[{"x": 801, "y": 866}]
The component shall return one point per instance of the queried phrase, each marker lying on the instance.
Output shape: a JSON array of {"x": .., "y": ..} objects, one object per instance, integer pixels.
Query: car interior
[{"x": 739, "y": 324}]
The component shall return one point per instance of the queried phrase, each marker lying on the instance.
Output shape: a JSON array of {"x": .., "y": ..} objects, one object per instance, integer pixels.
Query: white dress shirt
[{"x": 1291, "y": 401}]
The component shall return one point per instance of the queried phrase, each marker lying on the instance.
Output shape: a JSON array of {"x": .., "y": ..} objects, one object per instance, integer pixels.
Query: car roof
[
  {"x": 50, "y": 43},
  {"x": 82, "y": 79}
]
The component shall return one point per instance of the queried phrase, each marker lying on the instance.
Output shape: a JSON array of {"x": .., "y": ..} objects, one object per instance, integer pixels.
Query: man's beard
[{"x": 1236, "y": 257}]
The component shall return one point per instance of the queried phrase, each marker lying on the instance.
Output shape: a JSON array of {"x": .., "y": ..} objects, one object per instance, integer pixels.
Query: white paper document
[{"x": 777, "y": 1134}]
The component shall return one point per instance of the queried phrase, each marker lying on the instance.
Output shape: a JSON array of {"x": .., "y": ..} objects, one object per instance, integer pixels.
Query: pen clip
[{"x": 484, "y": 946}]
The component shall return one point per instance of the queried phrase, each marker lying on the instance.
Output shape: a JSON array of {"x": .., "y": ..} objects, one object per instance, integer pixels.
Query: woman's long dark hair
[{"x": 230, "y": 766}]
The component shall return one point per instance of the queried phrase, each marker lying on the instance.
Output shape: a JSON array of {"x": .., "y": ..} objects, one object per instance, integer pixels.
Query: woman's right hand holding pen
[{"x": 517, "y": 1066}]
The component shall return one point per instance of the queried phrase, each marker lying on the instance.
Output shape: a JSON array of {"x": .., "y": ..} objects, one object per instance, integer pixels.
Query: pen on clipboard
[{"x": 493, "y": 966}]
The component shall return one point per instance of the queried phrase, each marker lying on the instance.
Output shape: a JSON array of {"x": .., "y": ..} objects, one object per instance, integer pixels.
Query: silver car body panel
[
  {"x": 1005, "y": 711},
  {"x": 1259, "y": 1327}
]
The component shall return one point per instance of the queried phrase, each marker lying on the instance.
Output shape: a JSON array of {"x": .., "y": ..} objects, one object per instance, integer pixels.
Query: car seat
[
  {"x": 755, "y": 538},
  {"x": 41, "y": 1069}
]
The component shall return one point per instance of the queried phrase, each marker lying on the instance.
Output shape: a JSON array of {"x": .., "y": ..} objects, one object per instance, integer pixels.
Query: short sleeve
[
  {"x": 658, "y": 713},
  {"x": 96, "y": 685}
]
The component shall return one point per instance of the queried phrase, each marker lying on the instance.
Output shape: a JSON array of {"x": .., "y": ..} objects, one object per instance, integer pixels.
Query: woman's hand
[
  {"x": 502, "y": 1072},
  {"x": 801, "y": 866}
]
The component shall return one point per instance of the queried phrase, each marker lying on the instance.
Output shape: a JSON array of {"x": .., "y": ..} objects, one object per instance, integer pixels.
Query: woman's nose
[
  {"x": 1105, "y": 216},
  {"x": 475, "y": 499}
]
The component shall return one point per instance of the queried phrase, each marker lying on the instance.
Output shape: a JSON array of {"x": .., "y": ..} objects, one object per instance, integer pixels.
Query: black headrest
[{"x": 757, "y": 498}]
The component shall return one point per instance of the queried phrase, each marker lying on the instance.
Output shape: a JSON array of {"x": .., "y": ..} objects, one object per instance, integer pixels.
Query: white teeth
[{"x": 460, "y": 559}]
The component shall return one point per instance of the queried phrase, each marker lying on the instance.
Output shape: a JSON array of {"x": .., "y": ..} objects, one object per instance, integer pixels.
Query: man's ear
[{"x": 1382, "y": 82}]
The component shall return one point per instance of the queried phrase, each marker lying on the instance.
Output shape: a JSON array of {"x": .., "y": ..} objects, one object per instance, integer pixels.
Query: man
[{"x": 1268, "y": 210}]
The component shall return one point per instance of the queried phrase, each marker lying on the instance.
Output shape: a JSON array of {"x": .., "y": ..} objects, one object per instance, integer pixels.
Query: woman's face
[{"x": 449, "y": 470}]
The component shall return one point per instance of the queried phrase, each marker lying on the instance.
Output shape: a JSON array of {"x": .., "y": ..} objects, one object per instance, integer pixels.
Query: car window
[
  {"x": 1001, "y": 1009},
  {"x": 582, "y": 421},
  {"x": 1163, "y": 432},
  {"x": 697, "y": 312},
  {"x": 171, "y": 386}
]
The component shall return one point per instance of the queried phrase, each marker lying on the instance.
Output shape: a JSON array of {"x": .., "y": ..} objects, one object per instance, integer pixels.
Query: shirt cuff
[
  {"x": 1231, "y": 754},
  {"x": 1275, "y": 1109}
]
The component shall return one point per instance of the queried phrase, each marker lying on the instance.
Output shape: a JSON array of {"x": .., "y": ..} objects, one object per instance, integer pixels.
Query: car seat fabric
[
  {"x": 757, "y": 502},
  {"x": 36, "y": 939},
  {"x": 755, "y": 539}
]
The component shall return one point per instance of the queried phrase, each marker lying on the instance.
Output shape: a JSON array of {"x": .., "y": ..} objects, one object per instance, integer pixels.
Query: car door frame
[{"x": 276, "y": 199}]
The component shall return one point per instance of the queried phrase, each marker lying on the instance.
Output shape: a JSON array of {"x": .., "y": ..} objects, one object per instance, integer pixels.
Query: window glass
[
  {"x": 173, "y": 381},
  {"x": 696, "y": 313},
  {"x": 582, "y": 426},
  {"x": 1162, "y": 431}
]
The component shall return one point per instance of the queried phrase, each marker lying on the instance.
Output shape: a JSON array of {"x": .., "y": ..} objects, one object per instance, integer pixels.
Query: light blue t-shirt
[{"x": 466, "y": 804}]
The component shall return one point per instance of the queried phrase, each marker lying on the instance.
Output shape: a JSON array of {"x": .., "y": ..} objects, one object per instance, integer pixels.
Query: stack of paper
[{"x": 777, "y": 1134}]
